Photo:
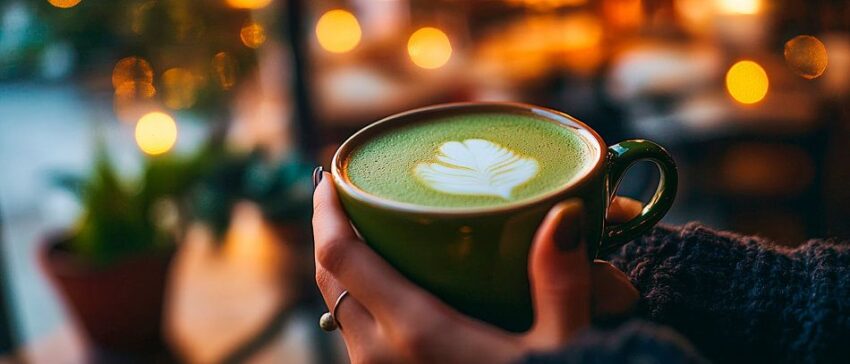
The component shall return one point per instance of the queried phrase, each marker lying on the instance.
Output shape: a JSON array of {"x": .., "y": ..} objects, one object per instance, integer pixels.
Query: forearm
[{"x": 739, "y": 298}]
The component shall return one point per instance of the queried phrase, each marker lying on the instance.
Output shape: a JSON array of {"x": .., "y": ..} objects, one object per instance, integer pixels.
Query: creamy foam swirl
[{"x": 476, "y": 167}]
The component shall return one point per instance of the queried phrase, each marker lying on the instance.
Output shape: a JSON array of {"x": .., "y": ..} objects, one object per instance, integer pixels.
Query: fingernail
[
  {"x": 318, "y": 173},
  {"x": 568, "y": 234}
]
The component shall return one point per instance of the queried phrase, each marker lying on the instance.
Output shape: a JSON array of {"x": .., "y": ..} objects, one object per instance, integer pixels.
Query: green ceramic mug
[{"x": 476, "y": 259}]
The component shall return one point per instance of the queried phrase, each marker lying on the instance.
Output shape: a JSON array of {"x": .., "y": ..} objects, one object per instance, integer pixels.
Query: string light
[
  {"x": 429, "y": 48},
  {"x": 338, "y": 31},
  {"x": 807, "y": 56},
  {"x": 747, "y": 82},
  {"x": 156, "y": 133},
  {"x": 253, "y": 35},
  {"x": 64, "y": 4}
]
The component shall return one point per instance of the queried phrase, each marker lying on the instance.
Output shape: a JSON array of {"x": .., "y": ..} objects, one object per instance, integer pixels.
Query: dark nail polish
[
  {"x": 568, "y": 234},
  {"x": 318, "y": 173}
]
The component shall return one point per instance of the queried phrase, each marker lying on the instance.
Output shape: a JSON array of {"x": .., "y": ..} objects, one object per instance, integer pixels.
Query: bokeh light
[
  {"x": 836, "y": 83},
  {"x": 739, "y": 6},
  {"x": 64, "y": 4},
  {"x": 695, "y": 15},
  {"x": 429, "y": 48},
  {"x": 156, "y": 133},
  {"x": 338, "y": 31},
  {"x": 747, "y": 82},
  {"x": 132, "y": 90},
  {"x": 132, "y": 99},
  {"x": 623, "y": 14},
  {"x": 179, "y": 88},
  {"x": 536, "y": 45},
  {"x": 807, "y": 56},
  {"x": 253, "y": 35},
  {"x": 519, "y": 50},
  {"x": 578, "y": 31},
  {"x": 249, "y": 4},
  {"x": 131, "y": 69},
  {"x": 578, "y": 39},
  {"x": 224, "y": 68},
  {"x": 545, "y": 5}
]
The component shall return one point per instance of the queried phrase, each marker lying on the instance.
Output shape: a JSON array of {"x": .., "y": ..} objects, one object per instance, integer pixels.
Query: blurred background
[{"x": 155, "y": 155}]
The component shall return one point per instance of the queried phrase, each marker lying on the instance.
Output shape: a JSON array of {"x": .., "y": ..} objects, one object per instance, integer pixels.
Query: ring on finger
[{"x": 328, "y": 321}]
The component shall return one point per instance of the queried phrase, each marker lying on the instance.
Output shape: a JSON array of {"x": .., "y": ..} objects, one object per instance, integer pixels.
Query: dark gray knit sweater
[{"x": 735, "y": 298}]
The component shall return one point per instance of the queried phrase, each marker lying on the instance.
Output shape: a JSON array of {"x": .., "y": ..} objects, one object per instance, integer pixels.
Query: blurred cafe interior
[{"x": 177, "y": 139}]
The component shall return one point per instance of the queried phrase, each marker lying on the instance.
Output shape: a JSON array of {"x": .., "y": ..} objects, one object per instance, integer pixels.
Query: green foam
[{"x": 384, "y": 165}]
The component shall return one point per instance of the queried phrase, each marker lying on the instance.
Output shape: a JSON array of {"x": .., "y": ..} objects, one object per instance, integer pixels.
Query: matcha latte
[{"x": 469, "y": 160}]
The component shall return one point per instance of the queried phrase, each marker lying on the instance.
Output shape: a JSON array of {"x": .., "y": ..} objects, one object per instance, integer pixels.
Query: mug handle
[{"x": 620, "y": 157}]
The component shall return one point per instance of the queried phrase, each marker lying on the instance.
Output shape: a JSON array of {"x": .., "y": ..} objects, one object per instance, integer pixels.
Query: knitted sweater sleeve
[
  {"x": 741, "y": 298},
  {"x": 635, "y": 341}
]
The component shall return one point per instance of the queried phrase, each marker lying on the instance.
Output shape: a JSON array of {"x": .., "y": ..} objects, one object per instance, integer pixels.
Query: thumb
[
  {"x": 613, "y": 292},
  {"x": 560, "y": 276}
]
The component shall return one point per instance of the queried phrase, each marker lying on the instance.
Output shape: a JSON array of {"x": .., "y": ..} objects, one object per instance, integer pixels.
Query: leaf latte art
[{"x": 476, "y": 167}]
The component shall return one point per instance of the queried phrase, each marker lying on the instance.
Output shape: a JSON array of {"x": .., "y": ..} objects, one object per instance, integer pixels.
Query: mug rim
[{"x": 545, "y": 114}]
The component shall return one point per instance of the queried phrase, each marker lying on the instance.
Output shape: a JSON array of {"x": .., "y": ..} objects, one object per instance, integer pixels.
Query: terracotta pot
[{"x": 119, "y": 305}]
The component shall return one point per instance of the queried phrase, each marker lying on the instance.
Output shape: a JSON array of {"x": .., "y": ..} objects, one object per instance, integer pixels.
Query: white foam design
[{"x": 476, "y": 167}]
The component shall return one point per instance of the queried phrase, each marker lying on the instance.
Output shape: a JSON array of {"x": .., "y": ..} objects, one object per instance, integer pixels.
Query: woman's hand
[{"x": 388, "y": 319}]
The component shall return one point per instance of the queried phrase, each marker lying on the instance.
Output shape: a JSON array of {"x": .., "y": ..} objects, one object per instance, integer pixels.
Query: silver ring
[{"x": 328, "y": 321}]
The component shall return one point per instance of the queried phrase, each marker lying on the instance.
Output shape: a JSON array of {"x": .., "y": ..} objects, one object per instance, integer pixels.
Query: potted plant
[{"x": 111, "y": 267}]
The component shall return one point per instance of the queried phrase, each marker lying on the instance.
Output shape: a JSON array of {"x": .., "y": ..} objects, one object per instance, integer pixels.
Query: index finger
[
  {"x": 623, "y": 209},
  {"x": 380, "y": 288},
  {"x": 329, "y": 220}
]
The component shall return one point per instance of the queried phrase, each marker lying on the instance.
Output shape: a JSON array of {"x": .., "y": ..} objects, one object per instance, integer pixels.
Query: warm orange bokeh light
[
  {"x": 249, "y": 4},
  {"x": 747, "y": 82},
  {"x": 64, "y": 4},
  {"x": 739, "y": 6},
  {"x": 249, "y": 238},
  {"x": 536, "y": 45},
  {"x": 132, "y": 90},
  {"x": 156, "y": 133},
  {"x": 253, "y": 35},
  {"x": 807, "y": 56},
  {"x": 224, "y": 67},
  {"x": 179, "y": 88},
  {"x": 579, "y": 41},
  {"x": 132, "y": 99},
  {"x": 131, "y": 69},
  {"x": 429, "y": 48},
  {"x": 132, "y": 78},
  {"x": 623, "y": 14},
  {"x": 695, "y": 15},
  {"x": 580, "y": 31},
  {"x": 544, "y": 5},
  {"x": 338, "y": 31}
]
